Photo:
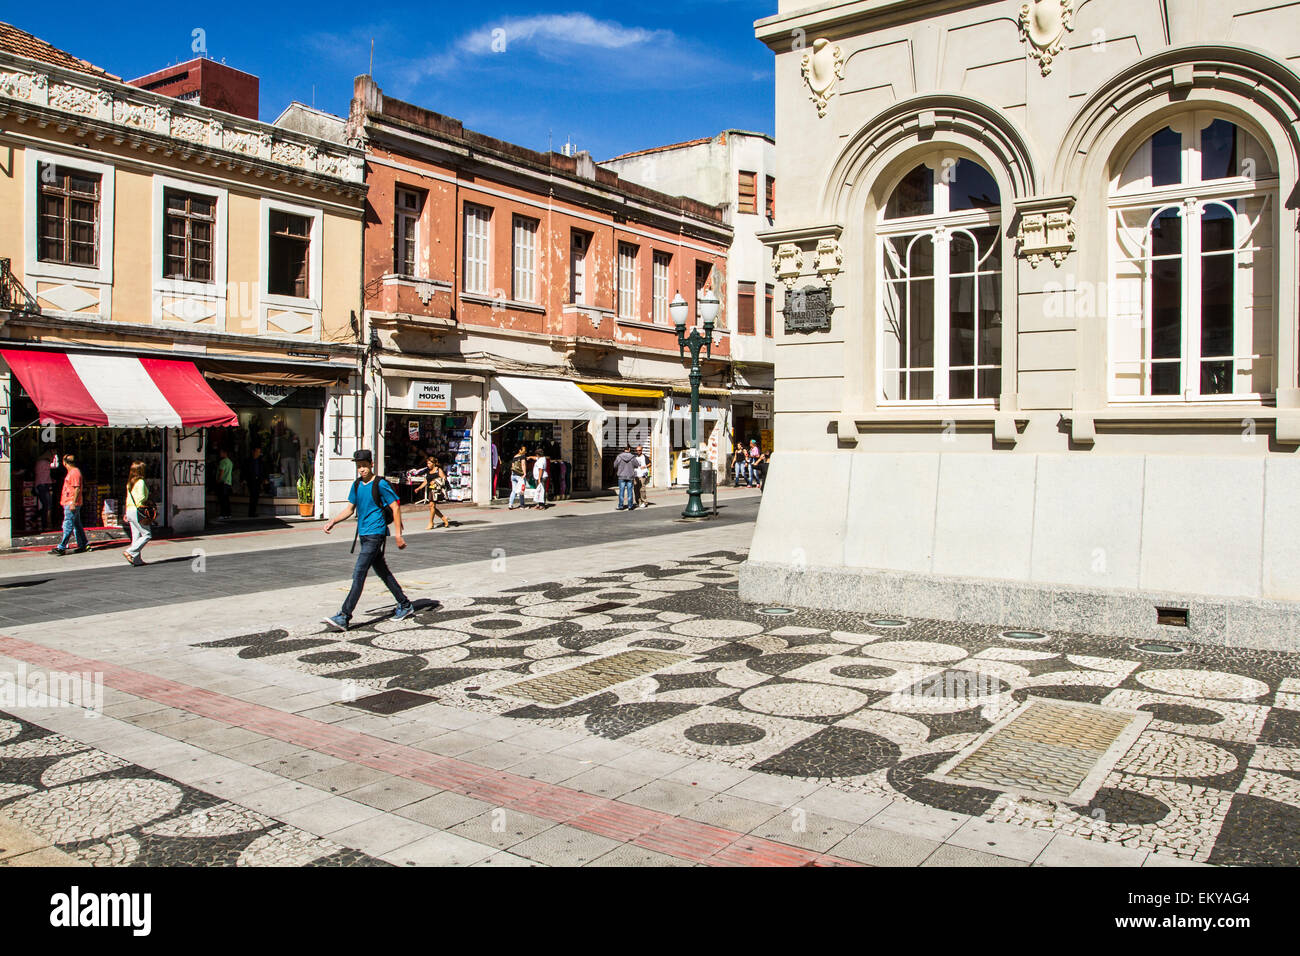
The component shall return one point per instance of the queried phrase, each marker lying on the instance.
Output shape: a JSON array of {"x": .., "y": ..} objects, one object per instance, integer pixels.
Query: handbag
[{"x": 146, "y": 512}]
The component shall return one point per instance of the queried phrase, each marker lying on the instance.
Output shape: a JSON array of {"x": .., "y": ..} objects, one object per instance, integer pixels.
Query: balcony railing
[{"x": 13, "y": 297}]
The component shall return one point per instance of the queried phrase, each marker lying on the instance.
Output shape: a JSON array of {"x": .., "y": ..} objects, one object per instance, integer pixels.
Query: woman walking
[
  {"x": 137, "y": 500},
  {"x": 435, "y": 479},
  {"x": 518, "y": 477}
]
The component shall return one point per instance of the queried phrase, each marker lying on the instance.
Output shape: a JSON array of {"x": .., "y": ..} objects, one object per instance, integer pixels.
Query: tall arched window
[
  {"x": 1192, "y": 265},
  {"x": 940, "y": 289}
]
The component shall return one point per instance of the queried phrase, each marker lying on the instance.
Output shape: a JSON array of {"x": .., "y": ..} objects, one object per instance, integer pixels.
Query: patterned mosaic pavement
[
  {"x": 870, "y": 705},
  {"x": 104, "y": 811}
]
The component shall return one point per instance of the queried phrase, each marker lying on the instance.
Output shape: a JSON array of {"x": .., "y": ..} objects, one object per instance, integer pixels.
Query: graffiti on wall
[{"x": 188, "y": 473}]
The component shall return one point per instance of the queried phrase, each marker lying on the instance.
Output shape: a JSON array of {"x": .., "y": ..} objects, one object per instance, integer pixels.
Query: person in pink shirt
[{"x": 70, "y": 498}]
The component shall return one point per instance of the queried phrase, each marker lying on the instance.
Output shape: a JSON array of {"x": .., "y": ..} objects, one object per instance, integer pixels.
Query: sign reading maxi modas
[
  {"x": 431, "y": 396},
  {"x": 808, "y": 310}
]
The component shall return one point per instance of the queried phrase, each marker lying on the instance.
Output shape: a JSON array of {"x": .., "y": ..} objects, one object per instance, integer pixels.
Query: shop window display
[
  {"x": 410, "y": 439},
  {"x": 287, "y": 437}
]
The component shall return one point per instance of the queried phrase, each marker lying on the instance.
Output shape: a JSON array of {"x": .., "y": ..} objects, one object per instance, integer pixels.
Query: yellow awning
[{"x": 627, "y": 391}]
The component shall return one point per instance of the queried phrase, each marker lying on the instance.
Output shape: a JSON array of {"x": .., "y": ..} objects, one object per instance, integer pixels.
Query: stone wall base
[{"x": 1129, "y": 614}]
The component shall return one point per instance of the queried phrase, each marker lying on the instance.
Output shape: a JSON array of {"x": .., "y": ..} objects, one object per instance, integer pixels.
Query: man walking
[
  {"x": 254, "y": 478},
  {"x": 70, "y": 499},
  {"x": 642, "y": 477},
  {"x": 625, "y": 467},
  {"x": 372, "y": 532},
  {"x": 225, "y": 479}
]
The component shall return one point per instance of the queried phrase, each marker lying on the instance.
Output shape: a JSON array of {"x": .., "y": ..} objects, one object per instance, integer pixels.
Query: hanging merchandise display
[{"x": 410, "y": 441}]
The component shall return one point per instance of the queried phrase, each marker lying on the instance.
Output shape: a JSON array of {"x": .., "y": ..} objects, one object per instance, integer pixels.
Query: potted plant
[{"x": 306, "y": 496}]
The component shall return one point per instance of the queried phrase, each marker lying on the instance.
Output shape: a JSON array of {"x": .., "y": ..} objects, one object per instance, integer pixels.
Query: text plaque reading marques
[{"x": 808, "y": 310}]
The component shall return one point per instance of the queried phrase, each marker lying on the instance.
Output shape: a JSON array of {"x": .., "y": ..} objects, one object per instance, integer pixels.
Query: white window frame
[
  {"x": 579, "y": 246},
  {"x": 628, "y": 280},
  {"x": 940, "y": 225},
  {"x": 1190, "y": 199},
  {"x": 101, "y": 274},
  {"x": 214, "y": 292},
  {"x": 661, "y": 267},
  {"x": 478, "y": 259},
  {"x": 402, "y": 213},
  {"x": 523, "y": 280},
  {"x": 311, "y": 305}
]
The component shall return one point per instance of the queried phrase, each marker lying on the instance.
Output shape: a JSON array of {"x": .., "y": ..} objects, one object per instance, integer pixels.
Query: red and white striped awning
[{"x": 124, "y": 391}]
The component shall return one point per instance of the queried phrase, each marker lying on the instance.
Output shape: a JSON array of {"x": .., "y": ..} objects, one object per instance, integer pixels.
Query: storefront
[
  {"x": 434, "y": 418},
  {"x": 633, "y": 416},
  {"x": 285, "y": 422},
  {"x": 107, "y": 410},
  {"x": 712, "y": 434},
  {"x": 751, "y": 419},
  {"x": 554, "y": 416}
]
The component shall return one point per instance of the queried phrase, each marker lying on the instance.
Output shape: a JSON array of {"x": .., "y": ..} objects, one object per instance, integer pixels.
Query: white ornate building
[{"x": 1058, "y": 385}]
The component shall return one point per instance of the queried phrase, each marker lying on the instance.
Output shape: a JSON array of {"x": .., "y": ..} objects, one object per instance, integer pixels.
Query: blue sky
[{"x": 614, "y": 77}]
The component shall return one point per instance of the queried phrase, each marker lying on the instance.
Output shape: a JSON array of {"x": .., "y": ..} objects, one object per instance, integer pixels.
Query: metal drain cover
[
  {"x": 1047, "y": 750},
  {"x": 1024, "y": 635},
  {"x": 776, "y": 611},
  {"x": 586, "y": 679},
  {"x": 889, "y": 622},
  {"x": 1155, "y": 647}
]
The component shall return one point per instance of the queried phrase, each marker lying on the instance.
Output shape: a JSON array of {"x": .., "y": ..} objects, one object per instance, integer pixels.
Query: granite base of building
[{"x": 1128, "y": 614}]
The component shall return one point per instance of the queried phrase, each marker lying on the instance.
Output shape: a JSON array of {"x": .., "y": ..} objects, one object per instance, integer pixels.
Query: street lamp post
[{"x": 707, "y": 312}]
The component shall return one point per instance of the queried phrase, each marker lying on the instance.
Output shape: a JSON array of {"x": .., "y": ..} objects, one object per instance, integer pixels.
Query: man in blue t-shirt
[{"x": 372, "y": 532}]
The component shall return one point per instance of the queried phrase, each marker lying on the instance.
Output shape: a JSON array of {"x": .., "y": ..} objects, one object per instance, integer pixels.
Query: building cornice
[
  {"x": 50, "y": 95},
  {"x": 837, "y": 19}
]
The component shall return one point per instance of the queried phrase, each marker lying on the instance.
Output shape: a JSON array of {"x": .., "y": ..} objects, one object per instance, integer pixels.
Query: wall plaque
[{"x": 808, "y": 310}]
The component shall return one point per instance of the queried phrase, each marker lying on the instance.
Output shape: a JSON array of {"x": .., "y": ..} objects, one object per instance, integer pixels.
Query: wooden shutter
[{"x": 745, "y": 309}]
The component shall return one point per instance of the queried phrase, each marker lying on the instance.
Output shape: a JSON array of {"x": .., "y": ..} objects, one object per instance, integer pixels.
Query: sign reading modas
[
  {"x": 808, "y": 310},
  {"x": 431, "y": 396}
]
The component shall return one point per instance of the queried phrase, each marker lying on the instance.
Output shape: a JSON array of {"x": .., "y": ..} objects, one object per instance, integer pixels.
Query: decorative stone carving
[
  {"x": 425, "y": 289},
  {"x": 162, "y": 118},
  {"x": 16, "y": 85},
  {"x": 133, "y": 114},
  {"x": 331, "y": 164},
  {"x": 821, "y": 67},
  {"x": 73, "y": 99},
  {"x": 1043, "y": 26},
  {"x": 41, "y": 80},
  {"x": 250, "y": 144},
  {"x": 1046, "y": 229},
  {"x": 830, "y": 259},
  {"x": 190, "y": 128},
  {"x": 291, "y": 154},
  {"x": 787, "y": 262}
]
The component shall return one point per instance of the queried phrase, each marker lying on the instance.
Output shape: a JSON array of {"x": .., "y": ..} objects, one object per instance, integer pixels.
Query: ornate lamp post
[{"x": 707, "y": 308}]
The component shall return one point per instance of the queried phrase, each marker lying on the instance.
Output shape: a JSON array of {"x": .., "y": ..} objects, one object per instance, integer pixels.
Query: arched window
[
  {"x": 940, "y": 298},
  {"x": 1192, "y": 266}
]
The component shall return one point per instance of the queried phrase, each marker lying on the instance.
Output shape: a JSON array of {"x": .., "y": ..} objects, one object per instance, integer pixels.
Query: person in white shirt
[
  {"x": 642, "y": 477},
  {"x": 540, "y": 475}
]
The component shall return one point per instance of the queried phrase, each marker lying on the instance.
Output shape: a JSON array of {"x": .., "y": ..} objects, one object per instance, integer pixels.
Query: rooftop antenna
[
  {"x": 372, "y": 57},
  {"x": 313, "y": 96}
]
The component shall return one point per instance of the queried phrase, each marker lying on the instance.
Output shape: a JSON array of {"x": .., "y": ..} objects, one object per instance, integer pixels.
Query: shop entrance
[
  {"x": 411, "y": 438},
  {"x": 104, "y": 456}
]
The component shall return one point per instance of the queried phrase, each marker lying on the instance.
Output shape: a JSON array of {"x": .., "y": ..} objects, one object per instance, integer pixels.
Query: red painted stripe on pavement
[{"x": 651, "y": 829}]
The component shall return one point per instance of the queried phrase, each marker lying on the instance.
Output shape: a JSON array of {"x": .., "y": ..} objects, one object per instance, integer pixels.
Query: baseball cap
[{"x": 363, "y": 455}]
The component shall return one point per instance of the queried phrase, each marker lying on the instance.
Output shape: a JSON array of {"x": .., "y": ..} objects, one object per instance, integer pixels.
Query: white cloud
[{"x": 560, "y": 29}]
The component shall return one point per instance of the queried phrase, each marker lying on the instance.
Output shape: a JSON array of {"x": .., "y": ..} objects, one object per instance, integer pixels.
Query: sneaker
[
  {"x": 81, "y": 550},
  {"x": 59, "y": 551},
  {"x": 403, "y": 612},
  {"x": 338, "y": 622}
]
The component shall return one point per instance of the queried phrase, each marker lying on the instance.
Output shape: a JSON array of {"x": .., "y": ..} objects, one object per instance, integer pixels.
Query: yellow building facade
[{"x": 138, "y": 227}]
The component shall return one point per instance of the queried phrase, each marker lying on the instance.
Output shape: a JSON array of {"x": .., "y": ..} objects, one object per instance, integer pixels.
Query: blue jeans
[
  {"x": 371, "y": 556},
  {"x": 627, "y": 492},
  {"x": 71, "y": 526},
  {"x": 516, "y": 489}
]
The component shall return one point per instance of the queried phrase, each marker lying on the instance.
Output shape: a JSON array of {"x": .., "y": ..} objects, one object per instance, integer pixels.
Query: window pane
[
  {"x": 1217, "y": 299},
  {"x": 1166, "y": 326},
  {"x": 990, "y": 320},
  {"x": 972, "y": 187},
  {"x": 914, "y": 196},
  {"x": 961, "y": 385},
  {"x": 1167, "y": 234},
  {"x": 1218, "y": 228},
  {"x": 961, "y": 323},
  {"x": 921, "y": 256},
  {"x": 1166, "y": 158},
  {"x": 990, "y": 381},
  {"x": 921, "y": 386},
  {"x": 961, "y": 254},
  {"x": 1219, "y": 151}
]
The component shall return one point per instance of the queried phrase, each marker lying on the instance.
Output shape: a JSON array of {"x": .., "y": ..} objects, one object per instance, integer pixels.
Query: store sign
[
  {"x": 271, "y": 394},
  {"x": 808, "y": 310},
  {"x": 431, "y": 396},
  {"x": 763, "y": 408}
]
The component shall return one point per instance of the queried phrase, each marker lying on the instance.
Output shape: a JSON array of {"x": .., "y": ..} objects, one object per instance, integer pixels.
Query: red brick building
[
  {"x": 519, "y": 297},
  {"x": 207, "y": 83}
]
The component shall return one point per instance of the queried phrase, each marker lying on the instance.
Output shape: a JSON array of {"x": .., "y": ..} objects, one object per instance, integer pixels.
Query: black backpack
[{"x": 379, "y": 503}]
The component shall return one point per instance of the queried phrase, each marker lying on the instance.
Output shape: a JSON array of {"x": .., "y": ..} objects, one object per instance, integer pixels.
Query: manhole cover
[
  {"x": 599, "y": 608},
  {"x": 889, "y": 622},
  {"x": 1155, "y": 647},
  {"x": 1024, "y": 635},
  {"x": 1047, "y": 750},
  {"x": 728, "y": 587},
  {"x": 586, "y": 679},
  {"x": 776, "y": 611},
  {"x": 390, "y": 701}
]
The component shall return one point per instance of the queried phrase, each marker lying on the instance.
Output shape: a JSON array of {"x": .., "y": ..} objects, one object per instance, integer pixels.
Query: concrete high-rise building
[{"x": 206, "y": 83}]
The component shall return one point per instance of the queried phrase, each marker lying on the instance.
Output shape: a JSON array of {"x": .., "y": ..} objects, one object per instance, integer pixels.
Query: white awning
[{"x": 543, "y": 399}]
